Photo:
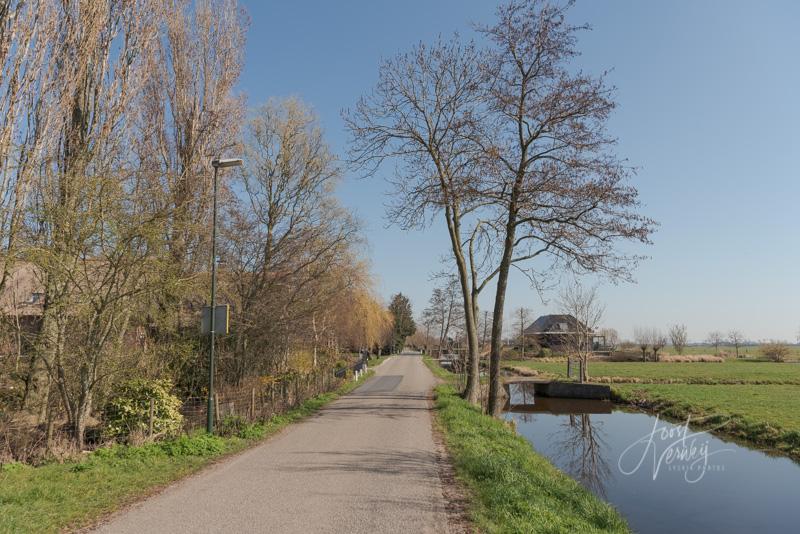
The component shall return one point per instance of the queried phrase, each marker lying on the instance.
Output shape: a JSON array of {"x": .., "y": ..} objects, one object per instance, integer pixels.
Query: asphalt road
[{"x": 366, "y": 463}]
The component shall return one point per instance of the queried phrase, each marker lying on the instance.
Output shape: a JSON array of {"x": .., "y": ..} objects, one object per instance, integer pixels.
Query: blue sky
[{"x": 708, "y": 111}]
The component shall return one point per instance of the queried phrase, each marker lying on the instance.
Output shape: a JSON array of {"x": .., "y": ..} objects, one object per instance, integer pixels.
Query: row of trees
[
  {"x": 508, "y": 144},
  {"x": 110, "y": 113}
]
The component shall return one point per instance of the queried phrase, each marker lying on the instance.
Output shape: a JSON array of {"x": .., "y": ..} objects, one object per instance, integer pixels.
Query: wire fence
[
  {"x": 253, "y": 400},
  {"x": 259, "y": 401}
]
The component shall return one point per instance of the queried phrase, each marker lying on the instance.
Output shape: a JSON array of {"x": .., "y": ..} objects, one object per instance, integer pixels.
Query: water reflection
[
  {"x": 746, "y": 491},
  {"x": 581, "y": 443}
]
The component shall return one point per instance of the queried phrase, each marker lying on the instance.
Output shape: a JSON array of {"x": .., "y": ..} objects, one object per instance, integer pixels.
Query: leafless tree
[
  {"x": 611, "y": 337},
  {"x": 581, "y": 451},
  {"x": 442, "y": 309},
  {"x": 657, "y": 341},
  {"x": 484, "y": 326},
  {"x": 736, "y": 338},
  {"x": 715, "y": 338},
  {"x": 642, "y": 338},
  {"x": 290, "y": 245},
  {"x": 89, "y": 242},
  {"x": 678, "y": 337},
  {"x": 521, "y": 322},
  {"x": 583, "y": 304},
  {"x": 187, "y": 114},
  {"x": 511, "y": 147},
  {"x": 26, "y": 32},
  {"x": 558, "y": 191},
  {"x": 425, "y": 112}
]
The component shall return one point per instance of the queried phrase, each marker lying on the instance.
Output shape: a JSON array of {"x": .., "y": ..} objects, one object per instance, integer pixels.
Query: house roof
[
  {"x": 24, "y": 291},
  {"x": 552, "y": 323}
]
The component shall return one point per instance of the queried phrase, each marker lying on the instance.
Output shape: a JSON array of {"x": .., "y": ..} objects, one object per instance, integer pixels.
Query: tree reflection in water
[{"x": 580, "y": 444}]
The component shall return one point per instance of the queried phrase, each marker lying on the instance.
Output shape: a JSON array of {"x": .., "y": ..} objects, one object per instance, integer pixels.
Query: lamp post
[{"x": 217, "y": 163}]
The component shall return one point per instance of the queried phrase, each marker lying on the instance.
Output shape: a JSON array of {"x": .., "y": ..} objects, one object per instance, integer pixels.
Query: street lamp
[{"x": 217, "y": 163}]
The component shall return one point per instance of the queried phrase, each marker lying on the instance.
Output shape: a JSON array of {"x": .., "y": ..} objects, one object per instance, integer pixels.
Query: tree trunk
[
  {"x": 472, "y": 387},
  {"x": 495, "y": 406}
]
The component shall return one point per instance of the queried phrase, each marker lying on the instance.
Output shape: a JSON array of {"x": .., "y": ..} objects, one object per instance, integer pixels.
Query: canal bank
[
  {"x": 662, "y": 476},
  {"x": 511, "y": 487}
]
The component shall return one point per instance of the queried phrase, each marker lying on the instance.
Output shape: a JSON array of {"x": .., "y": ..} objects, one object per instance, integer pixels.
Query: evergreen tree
[{"x": 404, "y": 325}]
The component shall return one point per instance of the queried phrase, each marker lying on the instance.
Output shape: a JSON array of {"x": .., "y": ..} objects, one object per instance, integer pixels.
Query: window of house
[{"x": 36, "y": 298}]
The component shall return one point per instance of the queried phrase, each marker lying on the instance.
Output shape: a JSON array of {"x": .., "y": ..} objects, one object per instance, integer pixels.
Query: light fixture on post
[{"x": 217, "y": 163}]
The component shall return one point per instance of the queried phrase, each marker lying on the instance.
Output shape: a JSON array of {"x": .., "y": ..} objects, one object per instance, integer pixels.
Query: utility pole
[
  {"x": 216, "y": 163},
  {"x": 522, "y": 330}
]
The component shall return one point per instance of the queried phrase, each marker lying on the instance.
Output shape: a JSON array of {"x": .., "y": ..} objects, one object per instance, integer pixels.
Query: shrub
[
  {"x": 544, "y": 352},
  {"x": 197, "y": 445},
  {"x": 128, "y": 412},
  {"x": 231, "y": 425},
  {"x": 775, "y": 351}
]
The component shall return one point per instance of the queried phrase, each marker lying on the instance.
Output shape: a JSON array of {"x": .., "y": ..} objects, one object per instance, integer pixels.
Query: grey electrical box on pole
[{"x": 222, "y": 320}]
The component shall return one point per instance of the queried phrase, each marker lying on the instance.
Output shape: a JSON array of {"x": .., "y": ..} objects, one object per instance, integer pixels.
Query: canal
[{"x": 664, "y": 477}]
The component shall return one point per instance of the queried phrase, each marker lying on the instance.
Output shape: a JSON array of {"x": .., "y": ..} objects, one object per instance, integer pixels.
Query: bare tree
[
  {"x": 425, "y": 112},
  {"x": 581, "y": 451},
  {"x": 583, "y": 304},
  {"x": 484, "y": 326},
  {"x": 678, "y": 337},
  {"x": 512, "y": 148},
  {"x": 736, "y": 338},
  {"x": 442, "y": 309},
  {"x": 611, "y": 337},
  {"x": 26, "y": 32},
  {"x": 89, "y": 240},
  {"x": 642, "y": 339},
  {"x": 657, "y": 341},
  {"x": 715, "y": 338},
  {"x": 521, "y": 321},
  {"x": 290, "y": 245},
  {"x": 557, "y": 189}
]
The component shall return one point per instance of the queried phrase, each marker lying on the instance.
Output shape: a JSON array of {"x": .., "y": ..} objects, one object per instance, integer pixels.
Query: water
[{"x": 689, "y": 481}]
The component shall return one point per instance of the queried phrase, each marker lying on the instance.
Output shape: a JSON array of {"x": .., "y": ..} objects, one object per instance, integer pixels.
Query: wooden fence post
[{"x": 253, "y": 405}]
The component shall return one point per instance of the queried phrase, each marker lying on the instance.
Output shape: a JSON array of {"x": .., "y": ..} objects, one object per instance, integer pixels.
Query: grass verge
[
  {"x": 55, "y": 497},
  {"x": 512, "y": 488},
  {"x": 762, "y": 415}
]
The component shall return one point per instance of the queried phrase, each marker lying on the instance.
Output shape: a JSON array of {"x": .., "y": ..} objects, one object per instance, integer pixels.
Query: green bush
[
  {"x": 231, "y": 425},
  {"x": 544, "y": 352},
  {"x": 128, "y": 412}
]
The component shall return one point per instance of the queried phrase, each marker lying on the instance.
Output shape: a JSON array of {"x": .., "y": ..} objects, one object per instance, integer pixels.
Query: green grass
[
  {"x": 512, "y": 488},
  {"x": 761, "y": 400},
  {"x": 750, "y": 351},
  {"x": 764, "y": 415},
  {"x": 55, "y": 497},
  {"x": 727, "y": 372}
]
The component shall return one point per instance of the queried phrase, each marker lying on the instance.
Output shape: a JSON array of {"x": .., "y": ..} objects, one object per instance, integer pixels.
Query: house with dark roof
[{"x": 559, "y": 331}]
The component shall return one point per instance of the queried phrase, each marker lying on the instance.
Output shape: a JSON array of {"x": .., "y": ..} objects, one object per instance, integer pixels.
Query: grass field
[
  {"x": 761, "y": 400},
  {"x": 750, "y": 351},
  {"x": 728, "y": 372},
  {"x": 763, "y": 415},
  {"x": 513, "y": 488},
  {"x": 57, "y": 497}
]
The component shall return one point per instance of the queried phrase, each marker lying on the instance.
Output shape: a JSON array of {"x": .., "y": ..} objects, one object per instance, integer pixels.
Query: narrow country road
[{"x": 366, "y": 463}]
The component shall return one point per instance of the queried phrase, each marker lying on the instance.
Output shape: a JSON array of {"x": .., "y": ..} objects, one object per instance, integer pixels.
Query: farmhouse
[{"x": 558, "y": 332}]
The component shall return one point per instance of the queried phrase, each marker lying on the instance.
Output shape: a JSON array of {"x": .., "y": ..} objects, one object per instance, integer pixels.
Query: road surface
[{"x": 365, "y": 463}]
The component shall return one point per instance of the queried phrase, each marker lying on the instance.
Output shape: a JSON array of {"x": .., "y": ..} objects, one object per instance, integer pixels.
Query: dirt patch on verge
[{"x": 454, "y": 493}]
